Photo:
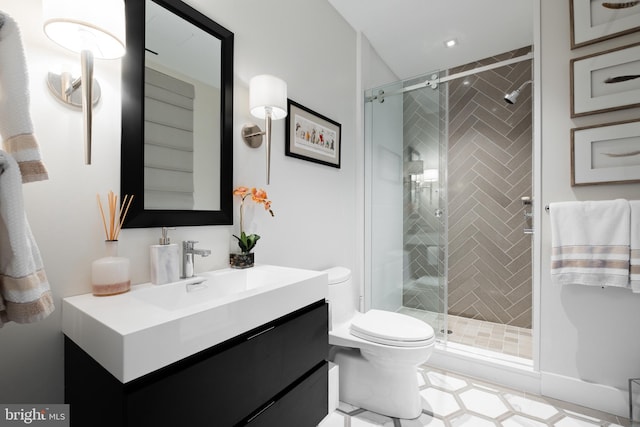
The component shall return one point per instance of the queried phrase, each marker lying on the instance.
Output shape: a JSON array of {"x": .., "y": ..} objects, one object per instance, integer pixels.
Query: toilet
[{"x": 377, "y": 352}]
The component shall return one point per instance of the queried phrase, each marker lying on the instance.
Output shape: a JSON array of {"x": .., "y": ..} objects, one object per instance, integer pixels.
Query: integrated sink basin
[
  {"x": 218, "y": 286},
  {"x": 152, "y": 326}
]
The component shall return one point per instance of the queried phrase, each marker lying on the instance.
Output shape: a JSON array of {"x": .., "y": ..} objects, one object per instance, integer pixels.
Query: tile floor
[
  {"x": 454, "y": 400},
  {"x": 505, "y": 339}
]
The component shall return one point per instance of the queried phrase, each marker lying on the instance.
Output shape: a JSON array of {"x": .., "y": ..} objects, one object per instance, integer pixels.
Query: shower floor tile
[
  {"x": 474, "y": 403},
  {"x": 505, "y": 339},
  {"x": 510, "y": 340}
]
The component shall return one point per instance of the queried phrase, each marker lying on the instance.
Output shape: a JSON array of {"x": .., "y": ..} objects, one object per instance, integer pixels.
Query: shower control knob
[{"x": 438, "y": 212}]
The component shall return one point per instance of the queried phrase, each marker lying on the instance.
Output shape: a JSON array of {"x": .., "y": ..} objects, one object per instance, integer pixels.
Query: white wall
[
  {"x": 304, "y": 42},
  {"x": 589, "y": 336},
  {"x": 375, "y": 72}
]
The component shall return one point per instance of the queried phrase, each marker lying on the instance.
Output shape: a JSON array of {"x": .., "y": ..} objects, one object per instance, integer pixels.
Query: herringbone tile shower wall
[
  {"x": 488, "y": 164},
  {"x": 489, "y": 170}
]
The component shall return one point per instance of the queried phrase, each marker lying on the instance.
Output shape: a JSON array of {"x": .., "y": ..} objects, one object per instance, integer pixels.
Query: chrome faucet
[{"x": 188, "y": 251}]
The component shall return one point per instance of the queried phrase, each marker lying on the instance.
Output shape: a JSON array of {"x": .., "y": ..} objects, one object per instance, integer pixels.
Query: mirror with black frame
[{"x": 177, "y": 116}]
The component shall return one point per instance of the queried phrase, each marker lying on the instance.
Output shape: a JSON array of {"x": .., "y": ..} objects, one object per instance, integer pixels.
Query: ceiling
[{"x": 409, "y": 35}]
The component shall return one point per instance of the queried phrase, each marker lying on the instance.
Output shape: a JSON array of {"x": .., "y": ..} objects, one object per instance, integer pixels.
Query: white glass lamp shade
[
  {"x": 95, "y": 25},
  {"x": 268, "y": 91}
]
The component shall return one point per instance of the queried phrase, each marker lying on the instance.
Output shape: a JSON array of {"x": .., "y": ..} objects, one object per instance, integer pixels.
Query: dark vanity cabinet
[{"x": 273, "y": 375}]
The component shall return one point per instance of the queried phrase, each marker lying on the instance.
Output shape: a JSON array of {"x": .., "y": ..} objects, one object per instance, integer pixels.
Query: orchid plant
[{"x": 248, "y": 242}]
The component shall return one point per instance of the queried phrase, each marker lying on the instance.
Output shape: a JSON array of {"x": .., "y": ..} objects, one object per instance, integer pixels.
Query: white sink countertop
[{"x": 152, "y": 326}]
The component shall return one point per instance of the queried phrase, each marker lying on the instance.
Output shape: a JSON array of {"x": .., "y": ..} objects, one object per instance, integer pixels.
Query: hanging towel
[
  {"x": 634, "y": 269},
  {"x": 25, "y": 295},
  {"x": 590, "y": 243},
  {"x": 16, "y": 127}
]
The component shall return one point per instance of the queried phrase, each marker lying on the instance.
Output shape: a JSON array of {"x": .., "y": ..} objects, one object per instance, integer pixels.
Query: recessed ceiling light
[{"x": 451, "y": 43}]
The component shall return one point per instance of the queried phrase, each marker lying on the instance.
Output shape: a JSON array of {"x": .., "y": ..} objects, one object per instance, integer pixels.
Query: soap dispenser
[{"x": 164, "y": 260}]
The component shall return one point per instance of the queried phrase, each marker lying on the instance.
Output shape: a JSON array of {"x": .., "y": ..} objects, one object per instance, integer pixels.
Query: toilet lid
[{"x": 386, "y": 327}]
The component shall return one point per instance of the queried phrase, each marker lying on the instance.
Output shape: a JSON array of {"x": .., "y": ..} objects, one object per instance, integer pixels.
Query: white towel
[
  {"x": 25, "y": 295},
  {"x": 590, "y": 243},
  {"x": 634, "y": 268},
  {"x": 16, "y": 127}
]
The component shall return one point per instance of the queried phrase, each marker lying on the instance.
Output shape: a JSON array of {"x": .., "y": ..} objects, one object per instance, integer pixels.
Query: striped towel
[
  {"x": 590, "y": 243},
  {"x": 16, "y": 127},
  {"x": 635, "y": 246},
  {"x": 25, "y": 295}
]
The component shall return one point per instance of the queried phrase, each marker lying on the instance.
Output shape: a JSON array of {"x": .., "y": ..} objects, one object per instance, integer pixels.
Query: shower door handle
[{"x": 528, "y": 214}]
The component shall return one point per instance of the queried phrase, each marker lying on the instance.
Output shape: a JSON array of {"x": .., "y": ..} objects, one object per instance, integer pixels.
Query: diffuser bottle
[
  {"x": 164, "y": 260},
  {"x": 110, "y": 274}
]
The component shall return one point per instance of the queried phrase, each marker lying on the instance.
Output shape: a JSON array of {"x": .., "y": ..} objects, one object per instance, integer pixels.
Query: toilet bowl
[{"x": 378, "y": 352}]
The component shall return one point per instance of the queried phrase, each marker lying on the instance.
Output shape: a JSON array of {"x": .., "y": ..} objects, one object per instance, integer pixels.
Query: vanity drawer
[
  {"x": 305, "y": 405},
  {"x": 225, "y": 385}
]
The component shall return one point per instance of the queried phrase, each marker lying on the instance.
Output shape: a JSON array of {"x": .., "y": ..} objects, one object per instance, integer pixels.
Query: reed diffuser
[{"x": 110, "y": 274}]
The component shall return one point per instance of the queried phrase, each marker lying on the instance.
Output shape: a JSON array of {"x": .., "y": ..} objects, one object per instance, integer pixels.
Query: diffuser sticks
[{"x": 116, "y": 216}]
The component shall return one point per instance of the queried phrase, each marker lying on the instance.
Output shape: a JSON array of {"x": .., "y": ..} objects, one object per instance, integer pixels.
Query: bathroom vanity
[{"x": 244, "y": 347}]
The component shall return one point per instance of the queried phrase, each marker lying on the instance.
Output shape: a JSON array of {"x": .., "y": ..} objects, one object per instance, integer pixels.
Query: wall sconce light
[
  {"x": 267, "y": 100},
  {"x": 93, "y": 28},
  {"x": 511, "y": 98}
]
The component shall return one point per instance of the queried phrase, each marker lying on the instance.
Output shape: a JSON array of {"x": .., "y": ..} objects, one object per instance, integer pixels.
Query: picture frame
[
  {"x": 593, "y": 21},
  {"x": 606, "y": 153},
  {"x": 311, "y": 136},
  {"x": 605, "y": 81}
]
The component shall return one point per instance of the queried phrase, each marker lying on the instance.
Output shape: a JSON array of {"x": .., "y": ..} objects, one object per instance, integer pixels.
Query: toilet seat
[{"x": 388, "y": 328}]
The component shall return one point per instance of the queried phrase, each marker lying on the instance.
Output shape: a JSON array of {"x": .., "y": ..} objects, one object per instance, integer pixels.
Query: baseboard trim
[
  {"x": 596, "y": 396},
  {"x": 520, "y": 377}
]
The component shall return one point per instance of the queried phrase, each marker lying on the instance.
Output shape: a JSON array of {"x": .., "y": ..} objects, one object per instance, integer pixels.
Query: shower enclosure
[{"x": 448, "y": 164}]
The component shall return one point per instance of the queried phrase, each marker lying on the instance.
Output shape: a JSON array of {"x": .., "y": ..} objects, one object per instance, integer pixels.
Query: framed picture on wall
[
  {"x": 606, "y": 154},
  {"x": 606, "y": 81},
  {"x": 312, "y": 136},
  {"x": 595, "y": 20}
]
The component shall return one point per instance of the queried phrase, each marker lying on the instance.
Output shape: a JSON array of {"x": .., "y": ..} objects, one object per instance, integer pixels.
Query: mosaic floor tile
[
  {"x": 452, "y": 400},
  {"x": 422, "y": 421},
  {"x": 439, "y": 402},
  {"x": 470, "y": 420},
  {"x": 484, "y": 403},
  {"x": 521, "y": 421},
  {"x": 369, "y": 419},
  {"x": 574, "y": 422},
  {"x": 530, "y": 406},
  {"x": 443, "y": 381}
]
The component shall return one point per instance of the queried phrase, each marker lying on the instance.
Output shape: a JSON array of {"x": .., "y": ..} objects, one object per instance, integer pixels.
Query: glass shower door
[{"x": 405, "y": 181}]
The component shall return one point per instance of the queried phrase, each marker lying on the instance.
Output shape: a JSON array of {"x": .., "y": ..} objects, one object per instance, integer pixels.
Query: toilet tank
[{"x": 342, "y": 304}]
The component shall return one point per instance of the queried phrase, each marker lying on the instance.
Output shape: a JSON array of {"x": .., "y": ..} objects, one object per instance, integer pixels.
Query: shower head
[{"x": 511, "y": 98}]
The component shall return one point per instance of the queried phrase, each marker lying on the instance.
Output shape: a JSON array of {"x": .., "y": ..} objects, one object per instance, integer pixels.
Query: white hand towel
[
  {"x": 25, "y": 295},
  {"x": 634, "y": 269},
  {"x": 16, "y": 127},
  {"x": 590, "y": 243}
]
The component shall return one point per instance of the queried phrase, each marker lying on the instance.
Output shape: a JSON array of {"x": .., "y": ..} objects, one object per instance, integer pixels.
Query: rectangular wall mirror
[{"x": 177, "y": 116}]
